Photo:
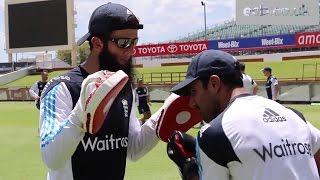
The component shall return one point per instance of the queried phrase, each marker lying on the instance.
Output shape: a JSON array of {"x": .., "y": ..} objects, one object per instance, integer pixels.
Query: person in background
[
  {"x": 272, "y": 84},
  {"x": 248, "y": 83},
  {"x": 36, "y": 89},
  {"x": 143, "y": 97}
]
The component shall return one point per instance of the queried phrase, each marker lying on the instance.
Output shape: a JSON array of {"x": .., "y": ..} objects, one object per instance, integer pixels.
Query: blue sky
[{"x": 163, "y": 20}]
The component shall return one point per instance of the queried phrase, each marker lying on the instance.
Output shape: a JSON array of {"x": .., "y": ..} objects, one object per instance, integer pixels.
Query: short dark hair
[
  {"x": 44, "y": 71},
  {"x": 267, "y": 69}
]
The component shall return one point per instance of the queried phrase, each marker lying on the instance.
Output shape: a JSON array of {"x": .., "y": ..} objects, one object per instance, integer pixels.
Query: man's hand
[
  {"x": 98, "y": 91},
  {"x": 181, "y": 149}
]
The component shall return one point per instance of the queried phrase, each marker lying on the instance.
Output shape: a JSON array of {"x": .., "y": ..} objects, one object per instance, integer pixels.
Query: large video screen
[{"x": 33, "y": 25}]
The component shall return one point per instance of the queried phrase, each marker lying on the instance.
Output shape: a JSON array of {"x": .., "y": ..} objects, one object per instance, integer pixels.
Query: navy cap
[
  {"x": 109, "y": 17},
  {"x": 205, "y": 64}
]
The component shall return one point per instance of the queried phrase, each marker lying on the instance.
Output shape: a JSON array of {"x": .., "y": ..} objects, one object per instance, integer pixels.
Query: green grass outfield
[
  {"x": 20, "y": 157},
  {"x": 281, "y": 69}
]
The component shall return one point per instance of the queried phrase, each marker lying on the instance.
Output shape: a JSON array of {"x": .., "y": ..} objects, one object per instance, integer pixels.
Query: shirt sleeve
[
  {"x": 253, "y": 82},
  {"x": 60, "y": 131},
  {"x": 141, "y": 138},
  {"x": 274, "y": 81},
  {"x": 136, "y": 97},
  {"x": 315, "y": 135},
  {"x": 34, "y": 91},
  {"x": 210, "y": 170}
]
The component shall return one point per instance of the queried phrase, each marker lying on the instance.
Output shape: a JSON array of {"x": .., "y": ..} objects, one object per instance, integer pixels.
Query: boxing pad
[
  {"x": 176, "y": 114},
  {"x": 98, "y": 92}
]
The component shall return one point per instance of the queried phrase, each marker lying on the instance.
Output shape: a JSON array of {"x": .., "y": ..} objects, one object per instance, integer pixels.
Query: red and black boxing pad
[
  {"x": 98, "y": 92},
  {"x": 176, "y": 114}
]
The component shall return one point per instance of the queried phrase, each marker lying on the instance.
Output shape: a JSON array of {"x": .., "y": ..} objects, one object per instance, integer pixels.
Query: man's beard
[{"x": 109, "y": 62}]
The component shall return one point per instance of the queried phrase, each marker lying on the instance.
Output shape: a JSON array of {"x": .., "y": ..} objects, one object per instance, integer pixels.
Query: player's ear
[
  {"x": 97, "y": 43},
  {"x": 214, "y": 82}
]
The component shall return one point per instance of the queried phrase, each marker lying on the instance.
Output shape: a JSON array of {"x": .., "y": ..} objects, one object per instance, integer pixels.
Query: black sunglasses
[{"x": 125, "y": 43}]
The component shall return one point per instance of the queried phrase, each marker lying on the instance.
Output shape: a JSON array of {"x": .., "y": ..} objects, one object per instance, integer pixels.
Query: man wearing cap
[
  {"x": 143, "y": 96},
  {"x": 68, "y": 149},
  {"x": 272, "y": 85},
  {"x": 247, "y": 136}
]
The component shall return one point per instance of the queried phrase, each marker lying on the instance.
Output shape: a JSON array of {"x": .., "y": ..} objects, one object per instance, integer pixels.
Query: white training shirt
[
  {"x": 34, "y": 91},
  {"x": 61, "y": 134},
  {"x": 258, "y": 139},
  {"x": 248, "y": 83}
]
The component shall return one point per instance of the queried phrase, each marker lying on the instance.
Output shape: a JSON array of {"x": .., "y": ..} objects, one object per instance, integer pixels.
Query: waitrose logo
[
  {"x": 283, "y": 149},
  {"x": 108, "y": 143}
]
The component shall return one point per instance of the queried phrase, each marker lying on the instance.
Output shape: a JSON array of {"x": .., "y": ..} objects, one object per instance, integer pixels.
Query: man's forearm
[{"x": 276, "y": 92}]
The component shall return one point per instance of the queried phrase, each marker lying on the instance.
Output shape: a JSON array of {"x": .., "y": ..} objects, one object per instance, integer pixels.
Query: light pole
[{"x": 205, "y": 19}]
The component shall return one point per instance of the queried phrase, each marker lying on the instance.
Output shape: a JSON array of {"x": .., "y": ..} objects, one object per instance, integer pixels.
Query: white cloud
[{"x": 163, "y": 19}]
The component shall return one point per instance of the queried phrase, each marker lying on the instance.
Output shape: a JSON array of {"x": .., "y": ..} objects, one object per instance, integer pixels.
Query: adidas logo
[{"x": 270, "y": 116}]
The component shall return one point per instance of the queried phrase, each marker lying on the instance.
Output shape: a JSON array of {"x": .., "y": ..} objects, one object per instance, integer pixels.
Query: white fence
[{"x": 7, "y": 78}]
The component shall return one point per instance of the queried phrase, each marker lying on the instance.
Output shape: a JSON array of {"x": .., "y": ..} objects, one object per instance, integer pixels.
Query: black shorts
[{"x": 143, "y": 108}]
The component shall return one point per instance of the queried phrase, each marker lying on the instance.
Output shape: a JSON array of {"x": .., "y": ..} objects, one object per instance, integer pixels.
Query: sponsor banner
[
  {"x": 308, "y": 39},
  {"x": 170, "y": 48},
  {"x": 254, "y": 42},
  {"x": 275, "y": 12}
]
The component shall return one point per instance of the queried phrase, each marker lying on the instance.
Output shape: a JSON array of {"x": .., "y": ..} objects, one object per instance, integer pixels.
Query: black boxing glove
[{"x": 181, "y": 149}]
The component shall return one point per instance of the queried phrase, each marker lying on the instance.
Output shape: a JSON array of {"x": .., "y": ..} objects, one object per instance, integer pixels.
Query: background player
[
  {"x": 36, "y": 89},
  {"x": 143, "y": 100},
  {"x": 272, "y": 84}
]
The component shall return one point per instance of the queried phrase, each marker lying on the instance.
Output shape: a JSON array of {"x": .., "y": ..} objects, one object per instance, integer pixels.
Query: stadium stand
[
  {"x": 230, "y": 30},
  {"x": 291, "y": 89}
]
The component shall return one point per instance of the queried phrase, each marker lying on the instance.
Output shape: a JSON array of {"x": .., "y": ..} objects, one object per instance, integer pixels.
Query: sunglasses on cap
[{"x": 124, "y": 43}]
